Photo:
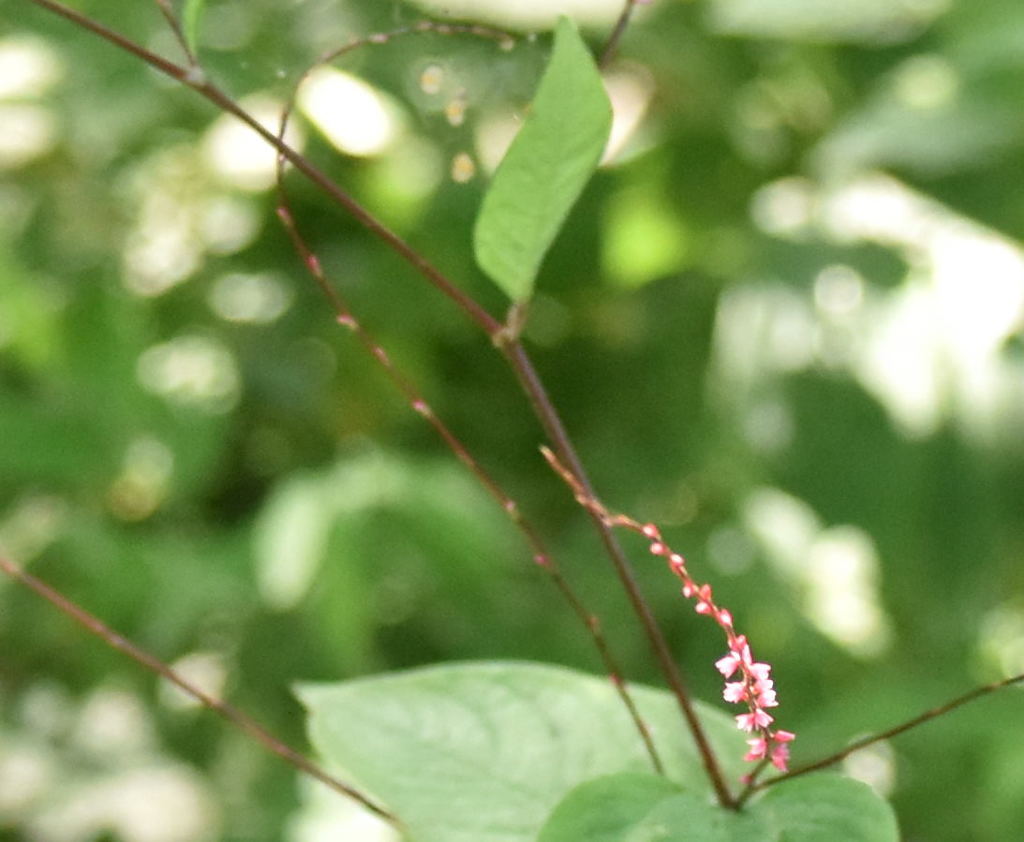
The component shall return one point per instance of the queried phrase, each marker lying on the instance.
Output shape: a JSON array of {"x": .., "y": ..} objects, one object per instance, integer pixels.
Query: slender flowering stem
[
  {"x": 754, "y": 688},
  {"x": 232, "y": 714}
]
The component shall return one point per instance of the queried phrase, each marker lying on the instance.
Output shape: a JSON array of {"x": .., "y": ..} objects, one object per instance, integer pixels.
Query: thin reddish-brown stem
[
  {"x": 864, "y": 742},
  {"x": 197, "y": 82},
  {"x": 232, "y": 714},
  {"x": 612, "y": 44},
  {"x": 171, "y": 17}
]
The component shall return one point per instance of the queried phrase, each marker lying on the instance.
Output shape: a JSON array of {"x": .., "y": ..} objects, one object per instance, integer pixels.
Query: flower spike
[{"x": 754, "y": 687}]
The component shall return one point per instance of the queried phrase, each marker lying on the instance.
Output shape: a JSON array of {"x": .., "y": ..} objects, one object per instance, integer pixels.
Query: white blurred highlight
[
  {"x": 192, "y": 371},
  {"x": 29, "y": 67},
  {"x": 29, "y": 132},
  {"x": 113, "y": 723},
  {"x": 630, "y": 88},
  {"x": 206, "y": 671},
  {"x": 164, "y": 803},
  {"x": 928, "y": 347},
  {"x": 27, "y": 772},
  {"x": 842, "y": 591},
  {"x": 355, "y": 118},
  {"x": 237, "y": 155},
  {"x": 227, "y": 224},
  {"x": 834, "y": 571},
  {"x": 935, "y": 342},
  {"x": 142, "y": 484},
  {"x": 875, "y": 766},
  {"x": 254, "y": 298},
  {"x": 327, "y": 818},
  {"x": 525, "y": 13},
  {"x": 1001, "y": 638},
  {"x": 163, "y": 248}
]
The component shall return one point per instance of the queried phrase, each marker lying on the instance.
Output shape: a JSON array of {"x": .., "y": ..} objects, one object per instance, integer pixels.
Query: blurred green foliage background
[{"x": 785, "y": 322}]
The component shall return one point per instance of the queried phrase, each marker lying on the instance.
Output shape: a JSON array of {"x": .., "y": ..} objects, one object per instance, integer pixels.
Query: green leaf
[
  {"x": 191, "y": 18},
  {"x": 643, "y": 808},
  {"x": 546, "y": 167},
  {"x": 482, "y": 752},
  {"x": 826, "y": 806}
]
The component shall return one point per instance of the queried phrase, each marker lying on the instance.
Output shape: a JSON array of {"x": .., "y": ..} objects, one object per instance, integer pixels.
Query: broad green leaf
[
  {"x": 825, "y": 807},
  {"x": 482, "y": 752},
  {"x": 644, "y": 808},
  {"x": 191, "y": 19},
  {"x": 546, "y": 167}
]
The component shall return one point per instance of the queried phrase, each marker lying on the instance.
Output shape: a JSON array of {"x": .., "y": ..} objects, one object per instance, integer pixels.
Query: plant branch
[
  {"x": 345, "y": 317},
  {"x": 232, "y": 714},
  {"x": 612, "y": 44},
  {"x": 857, "y": 745},
  {"x": 513, "y": 351},
  {"x": 192, "y": 78}
]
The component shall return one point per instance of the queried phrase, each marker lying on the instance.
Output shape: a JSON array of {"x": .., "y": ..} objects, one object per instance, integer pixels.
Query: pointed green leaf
[
  {"x": 546, "y": 167},
  {"x": 482, "y": 752}
]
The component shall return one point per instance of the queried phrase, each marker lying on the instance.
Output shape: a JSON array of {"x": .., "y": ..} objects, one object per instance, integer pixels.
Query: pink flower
[
  {"x": 704, "y": 605},
  {"x": 780, "y": 749},
  {"x": 741, "y": 648},
  {"x": 755, "y": 719},
  {"x": 780, "y": 754},
  {"x": 765, "y": 697},
  {"x": 754, "y": 688},
  {"x": 759, "y": 671},
  {"x": 739, "y": 654},
  {"x": 758, "y": 747},
  {"x": 728, "y": 665}
]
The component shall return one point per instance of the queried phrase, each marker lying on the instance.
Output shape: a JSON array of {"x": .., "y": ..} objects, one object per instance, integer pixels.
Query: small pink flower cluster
[{"x": 755, "y": 688}]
